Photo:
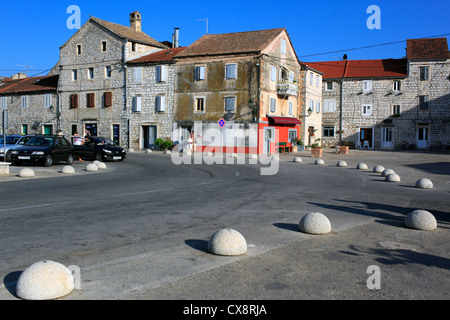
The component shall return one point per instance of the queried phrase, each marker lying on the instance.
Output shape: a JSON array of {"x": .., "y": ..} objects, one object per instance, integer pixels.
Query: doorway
[
  {"x": 366, "y": 138},
  {"x": 269, "y": 136},
  {"x": 386, "y": 138},
  {"x": 48, "y": 129},
  {"x": 91, "y": 128},
  {"x": 422, "y": 136},
  {"x": 148, "y": 137}
]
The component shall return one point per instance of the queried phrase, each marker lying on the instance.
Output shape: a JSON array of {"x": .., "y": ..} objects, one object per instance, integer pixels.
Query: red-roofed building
[{"x": 382, "y": 103}]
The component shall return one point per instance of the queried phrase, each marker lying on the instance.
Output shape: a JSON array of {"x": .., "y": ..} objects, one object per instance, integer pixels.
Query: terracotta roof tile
[
  {"x": 29, "y": 85},
  {"x": 330, "y": 69},
  {"x": 231, "y": 43},
  {"x": 160, "y": 56},
  {"x": 129, "y": 33},
  {"x": 418, "y": 49}
]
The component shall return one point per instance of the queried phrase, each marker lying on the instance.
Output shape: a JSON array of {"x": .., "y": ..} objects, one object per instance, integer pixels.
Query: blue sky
[{"x": 33, "y": 31}]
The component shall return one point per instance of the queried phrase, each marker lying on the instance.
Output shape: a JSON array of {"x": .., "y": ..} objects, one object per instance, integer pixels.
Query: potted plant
[
  {"x": 343, "y": 149},
  {"x": 316, "y": 149},
  {"x": 300, "y": 145}
]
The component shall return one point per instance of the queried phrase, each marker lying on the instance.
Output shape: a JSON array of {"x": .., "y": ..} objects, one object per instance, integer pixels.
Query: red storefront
[{"x": 274, "y": 130}]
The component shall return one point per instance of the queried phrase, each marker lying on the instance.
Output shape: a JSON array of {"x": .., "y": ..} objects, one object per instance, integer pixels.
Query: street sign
[{"x": 221, "y": 122}]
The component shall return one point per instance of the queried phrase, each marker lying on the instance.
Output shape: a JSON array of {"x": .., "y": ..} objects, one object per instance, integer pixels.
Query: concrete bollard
[
  {"x": 68, "y": 169},
  {"x": 298, "y": 160},
  {"x": 424, "y": 183},
  {"x": 386, "y": 172},
  {"x": 378, "y": 169},
  {"x": 392, "y": 177},
  {"x": 99, "y": 164},
  {"x": 319, "y": 162},
  {"x": 44, "y": 280},
  {"x": 361, "y": 166},
  {"x": 341, "y": 164},
  {"x": 227, "y": 242},
  {"x": 26, "y": 173},
  {"x": 421, "y": 220},
  {"x": 315, "y": 223},
  {"x": 91, "y": 167}
]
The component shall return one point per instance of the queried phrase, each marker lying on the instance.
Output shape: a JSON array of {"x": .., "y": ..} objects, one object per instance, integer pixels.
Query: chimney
[
  {"x": 135, "y": 21},
  {"x": 176, "y": 38},
  {"x": 344, "y": 57}
]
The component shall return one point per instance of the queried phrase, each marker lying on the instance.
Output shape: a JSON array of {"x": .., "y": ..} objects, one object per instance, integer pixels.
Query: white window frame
[
  {"x": 137, "y": 103},
  {"x": 74, "y": 74},
  {"x": 3, "y": 102},
  {"x": 160, "y": 103},
  {"x": 311, "y": 78},
  {"x": 161, "y": 73},
  {"x": 231, "y": 71},
  {"x": 24, "y": 100},
  {"x": 283, "y": 46},
  {"x": 317, "y": 80},
  {"x": 229, "y": 98},
  {"x": 332, "y": 86},
  {"x": 137, "y": 75},
  {"x": 272, "y": 102},
  {"x": 273, "y": 73},
  {"x": 318, "y": 106},
  {"x": 366, "y": 110},
  {"x": 108, "y": 72},
  {"x": 394, "y": 107},
  {"x": 311, "y": 105},
  {"x": 90, "y": 73},
  {"x": 424, "y": 76},
  {"x": 328, "y": 128},
  {"x": 195, "y": 104},
  {"x": 291, "y": 108},
  {"x": 200, "y": 73},
  {"x": 367, "y": 85},
  {"x": 47, "y": 100},
  {"x": 329, "y": 105},
  {"x": 396, "y": 86}
]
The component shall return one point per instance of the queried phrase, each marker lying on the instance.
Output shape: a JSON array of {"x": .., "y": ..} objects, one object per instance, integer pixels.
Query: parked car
[
  {"x": 12, "y": 141},
  {"x": 98, "y": 148},
  {"x": 44, "y": 150}
]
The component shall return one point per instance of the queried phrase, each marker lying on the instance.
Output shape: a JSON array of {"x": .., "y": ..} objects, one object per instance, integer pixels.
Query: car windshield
[
  {"x": 103, "y": 141},
  {"x": 9, "y": 140},
  {"x": 40, "y": 141}
]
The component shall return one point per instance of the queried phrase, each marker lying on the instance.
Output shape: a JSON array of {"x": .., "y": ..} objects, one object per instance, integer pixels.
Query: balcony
[{"x": 287, "y": 88}]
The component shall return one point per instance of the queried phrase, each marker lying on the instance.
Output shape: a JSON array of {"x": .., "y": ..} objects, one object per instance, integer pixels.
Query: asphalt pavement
[{"x": 368, "y": 233}]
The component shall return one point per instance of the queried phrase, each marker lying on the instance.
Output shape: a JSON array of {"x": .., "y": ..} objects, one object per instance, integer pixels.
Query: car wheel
[
  {"x": 69, "y": 160},
  {"x": 8, "y": 156},
  {"x": 48, "y": 161}
]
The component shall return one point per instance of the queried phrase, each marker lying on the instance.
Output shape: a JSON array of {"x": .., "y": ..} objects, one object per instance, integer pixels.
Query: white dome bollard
[
  {"x": 378, "y": 169},
  {"x": 91, "y": 167},
  {"x": 298, "y": 160},
  {"x": 148, "y": 151},
  {"x": 386, "y": 172},
  {"x": 392, "y": 177},
  {"x": 253, "y": 156},
  {"x": 44, "y": 280},
  {"x": 421, "y": 220},
  {"x": 167, "y": 152},
  {"x": 315, "y": 223},
  {"x": 341, "y": 164},
  {"x": 227, "y": 242},
  {"x": 424, "y": 183},
  {"x": 68, "y": 169},
  {"x": 319, "y": 162},
  {"x": 361, "y": 166},
  {"x": 99, "y": 164},
  {"x": 26, "y": 173}
]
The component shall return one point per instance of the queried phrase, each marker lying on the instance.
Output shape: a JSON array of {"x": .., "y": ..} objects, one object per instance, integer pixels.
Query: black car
[
  {"x": 98, "y": 148},
  {"x": 44, "y": 150}
]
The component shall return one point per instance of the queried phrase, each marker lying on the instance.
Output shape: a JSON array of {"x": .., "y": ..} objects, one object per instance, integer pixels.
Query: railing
[{"x": 287, "y": 88}]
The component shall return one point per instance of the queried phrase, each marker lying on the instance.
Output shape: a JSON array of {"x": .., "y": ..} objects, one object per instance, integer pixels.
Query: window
[
  {"x": 90, "y": 100},
  {"x": 137, "y": 75},
  {"x": 273, "y": 73},
  {"x": 291, "y": 77},
  {"x": 311, "y": 78},
  {"x": 78, "y": 49},
  {"x": 24, "y": 129},
  {"x": 273, "y": 105},
  {"x": 424, "y": 102},
  {"x": 200, "y": 104},
  {"x": 231, "y": 71},
  {"x": 366, "y": 109},
  {"x": 367, "y": 85},
  {"x": 90, "y": 73},
  {"x": 291, "y": 108},
  {"x": 73, "y": 101},
  {"x": 24, "y": 101},
  {"x": 329, "y": 106},
  {"x": 137, "y": 104},
  {"x": 396, "y": 86},
  {"x": 161, "y": 73},
  {"x": 292, "y": 136},
  {"x": 133, "y": 46},
  {"x": 230, "y": 104},
  {"x": 47, "y": 100},
  {"x": 328, "y": 131},
  {"x": 317, "y": 80},
  {"x": 3, "y": 103},
  {"x": 199, "y": 73},
  {"x": 424, "y": 73},
  {"x": 74, "y": 74},
  {"x": 396, "y": 109},
  {"x": 317, "y": 106},
  {"x": 311, "y": 105},
  {"x": 329, "y": 86},
  {"x": 283, "y": 46},
  {"x": 104, "y": 46},
  {"x": 160, "y": 104},
  {"x": 108, "y": 72},
  {"x": 107, "y": 99}
]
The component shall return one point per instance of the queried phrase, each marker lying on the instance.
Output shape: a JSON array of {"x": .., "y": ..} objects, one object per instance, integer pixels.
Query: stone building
[
  {"x": 93, "y": 79},
  {"x": 247, "y": 79},
  {"x": 384, "y": 104},
  {"x": 32, "y": 104}
]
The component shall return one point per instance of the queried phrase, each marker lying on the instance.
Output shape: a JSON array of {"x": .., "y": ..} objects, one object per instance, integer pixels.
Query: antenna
[
  {"x": 206, "y": 23},
  {"x": 26, "y": 67}
]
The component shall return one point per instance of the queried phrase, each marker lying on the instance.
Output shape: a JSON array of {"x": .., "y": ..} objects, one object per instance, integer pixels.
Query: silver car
[{"x": 12, "y": 141}]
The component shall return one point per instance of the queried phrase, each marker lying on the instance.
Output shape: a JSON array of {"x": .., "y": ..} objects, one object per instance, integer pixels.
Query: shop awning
[{"x": 284, "y": 120}]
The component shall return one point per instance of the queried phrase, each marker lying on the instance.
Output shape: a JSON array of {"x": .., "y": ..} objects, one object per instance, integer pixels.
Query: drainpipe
[{"x": 341, "y": 116}]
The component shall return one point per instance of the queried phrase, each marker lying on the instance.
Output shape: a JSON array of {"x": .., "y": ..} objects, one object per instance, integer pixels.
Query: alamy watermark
[
  {"x": 74, "y": 20},
  {"x": 374, "y": 21},
  {"x": 374, "y": 280}
]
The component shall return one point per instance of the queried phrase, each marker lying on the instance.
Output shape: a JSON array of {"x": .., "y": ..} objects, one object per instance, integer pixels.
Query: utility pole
[{"x": 206, "y": 20}]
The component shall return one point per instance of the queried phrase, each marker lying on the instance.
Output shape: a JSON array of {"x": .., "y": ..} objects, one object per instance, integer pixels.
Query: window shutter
[
  {"x": 137, "y": 104},
  {"x": 108, "y": 99},
  {"x": 229, "y": 103},
  {"x": 272, "y": 105},
  {"x": 90, "y": 100},
  {"x": 137, "y": 75},
  {"x": 290, "y": 108},
  {"x": 73, "y": 101},
  {"x": 158, "y": 73}
]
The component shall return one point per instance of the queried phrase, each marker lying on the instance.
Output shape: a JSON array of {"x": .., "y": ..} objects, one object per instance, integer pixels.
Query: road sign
[{"x": 221, "y": 123}]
